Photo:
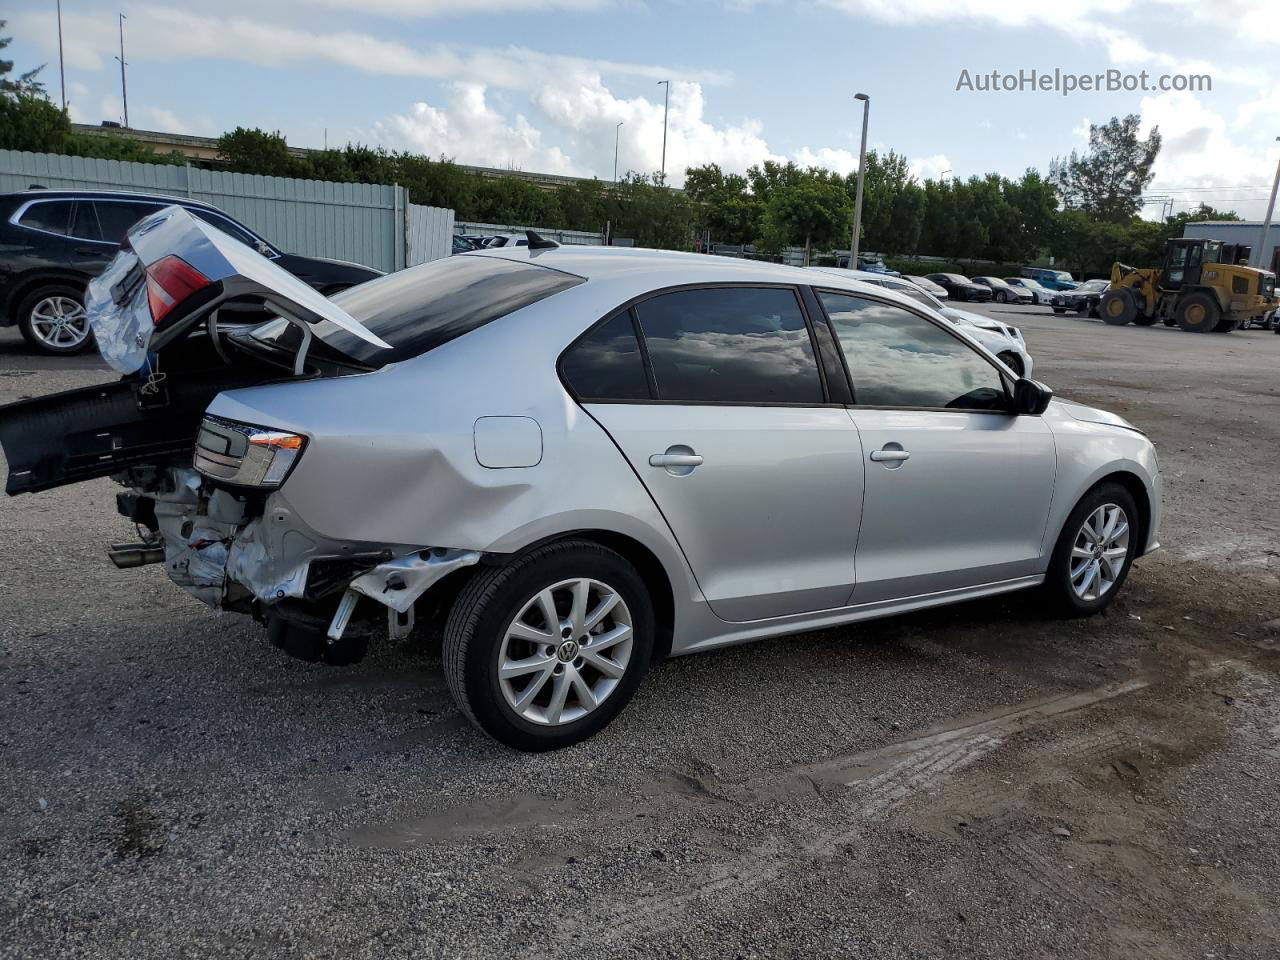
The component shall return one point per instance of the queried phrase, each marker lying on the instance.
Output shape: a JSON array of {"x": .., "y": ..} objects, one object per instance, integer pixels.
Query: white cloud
[
  {"x": 158, "y": 34},
  {"x": 1200, "y": 160},
  {"x": 471, "y": 131}
]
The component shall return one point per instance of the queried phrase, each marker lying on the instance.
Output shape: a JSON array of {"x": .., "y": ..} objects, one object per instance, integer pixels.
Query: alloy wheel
[
  {"x": 565, "y": 652},
  {"x": 59, "y": 322},
  {"x": 1099, "y": 551}
]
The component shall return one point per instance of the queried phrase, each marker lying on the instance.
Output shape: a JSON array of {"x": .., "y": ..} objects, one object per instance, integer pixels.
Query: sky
[{"x": 540, "y": 85}]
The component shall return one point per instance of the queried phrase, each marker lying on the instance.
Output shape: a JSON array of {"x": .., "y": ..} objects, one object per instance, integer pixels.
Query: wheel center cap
[{"x": 567, "y": 651}]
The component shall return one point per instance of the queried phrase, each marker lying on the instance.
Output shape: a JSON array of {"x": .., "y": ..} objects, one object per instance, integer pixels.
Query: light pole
[
  {"x": 666, "y": 104},
  {"x": 943, "y": 175},
  {"x": 1266, "y": 223},
  {"x": 62, "y": 73},
  {"x": 862, "y": 171},
  {"x": 124, "y": 91},
  {"x": 617, "y": 134}
]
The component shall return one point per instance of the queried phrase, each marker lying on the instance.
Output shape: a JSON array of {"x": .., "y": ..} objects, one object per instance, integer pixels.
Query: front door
[
  {"x": 729, "y": 428},
  {"x": 957, "y": 487}
]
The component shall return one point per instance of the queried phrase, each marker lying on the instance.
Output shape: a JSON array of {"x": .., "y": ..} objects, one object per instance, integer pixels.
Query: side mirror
[{"x": 1031, "y": 397}]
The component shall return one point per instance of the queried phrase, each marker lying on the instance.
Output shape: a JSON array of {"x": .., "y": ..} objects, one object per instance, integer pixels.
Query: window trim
[
  {"x": 653, "y": 400},
  {"x": 75, "y": 201},
  {"x": 818, "y": 290}
]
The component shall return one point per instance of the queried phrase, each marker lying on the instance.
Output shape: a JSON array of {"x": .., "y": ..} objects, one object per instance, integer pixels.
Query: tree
[
  {"x": 811, "y": 209},
  {"x": 727, "y": 208},
  {"x": 642, "y": 207},
  {"x": 26, "y": 84},
  {"x": 1108, "y": 181},
  {"x": 256, "y": 151}
]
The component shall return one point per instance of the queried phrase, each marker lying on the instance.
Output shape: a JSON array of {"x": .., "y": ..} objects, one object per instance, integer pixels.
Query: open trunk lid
[
  {"x": 152, "y": 415},
  {"x": 173, "y": 271}
]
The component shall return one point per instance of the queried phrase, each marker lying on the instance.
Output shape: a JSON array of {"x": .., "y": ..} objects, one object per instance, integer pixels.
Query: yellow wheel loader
[{"x": 1199, "y": 287}]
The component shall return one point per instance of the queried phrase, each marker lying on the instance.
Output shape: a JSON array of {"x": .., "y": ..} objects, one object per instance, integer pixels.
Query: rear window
[
  {"x": 50, "y": 216},
  {"x": 418, "y": 309}
]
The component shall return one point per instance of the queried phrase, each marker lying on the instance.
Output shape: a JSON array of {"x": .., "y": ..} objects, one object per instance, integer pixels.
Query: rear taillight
[{"x": 169, "y": 282}]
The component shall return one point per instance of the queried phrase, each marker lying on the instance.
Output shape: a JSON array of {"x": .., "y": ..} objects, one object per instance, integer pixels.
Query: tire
[
  {"x": 1059, "y": 310},
  {"x": 1117, "y": 307},
  {"x": 490, "y": 623},
  {"x": 1001, "y": 297},
  {"x": 1198, "y": 313},
  {"x": 1228, "y": 323},
  {"x": 1061, "y": 588},
  {"x": 52, "y": 319},
  {"x": 1012, "y": 361}
]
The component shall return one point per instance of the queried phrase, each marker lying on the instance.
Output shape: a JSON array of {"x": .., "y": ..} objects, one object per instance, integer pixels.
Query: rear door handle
[
  {"x": 675, "y": 460},
  {"x": 891, "y": 456}
]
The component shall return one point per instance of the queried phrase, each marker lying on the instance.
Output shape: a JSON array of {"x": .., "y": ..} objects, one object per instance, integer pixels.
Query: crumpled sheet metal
[
  {"x": 400, "y": 582},
  {"x": 249, "y": 563},
  {"x": 121, "y": 330}
]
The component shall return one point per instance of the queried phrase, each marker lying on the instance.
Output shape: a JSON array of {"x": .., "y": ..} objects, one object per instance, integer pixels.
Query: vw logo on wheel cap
[{"x": 567, "y": 650}]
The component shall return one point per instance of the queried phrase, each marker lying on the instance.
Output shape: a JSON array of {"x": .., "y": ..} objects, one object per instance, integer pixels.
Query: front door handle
[
  {"x": 675, "y": 460},
  {"x": 890, "y": 455}
]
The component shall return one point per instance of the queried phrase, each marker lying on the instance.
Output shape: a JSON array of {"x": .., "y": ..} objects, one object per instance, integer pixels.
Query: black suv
[{"x": 52, "y": 242}]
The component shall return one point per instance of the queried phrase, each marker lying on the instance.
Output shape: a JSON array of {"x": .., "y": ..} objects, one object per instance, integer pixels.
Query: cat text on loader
[{"x": 1199, "y": 287}]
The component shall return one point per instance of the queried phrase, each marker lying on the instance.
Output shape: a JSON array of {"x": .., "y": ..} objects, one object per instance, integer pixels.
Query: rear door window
[
  {"x": 606, "y": 364},
  {"x": 51, "y": 216},
  {"x": 745, "y": 345}
]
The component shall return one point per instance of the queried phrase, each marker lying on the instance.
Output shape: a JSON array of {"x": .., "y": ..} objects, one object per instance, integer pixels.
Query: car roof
[
  {"x": 645, "y": 270},
  {"x": 674, "y": 267},
  {"x": 69, "y": 194}
]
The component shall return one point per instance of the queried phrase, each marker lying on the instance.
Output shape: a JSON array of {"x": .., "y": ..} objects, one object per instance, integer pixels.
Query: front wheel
[
  {"x": 1012, "y": 361},
  {"x": 1094, "y": 551},
  {"x": 543, "y": 652},
  {"x": 53, "y": 320},
  {"x": 1001, "y": 297}
]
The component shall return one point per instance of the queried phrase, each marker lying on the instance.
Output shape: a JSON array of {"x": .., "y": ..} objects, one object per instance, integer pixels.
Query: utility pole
[
  {"x": 862, "y": 170},
  {"x": 124, "y": 91},
  {"x": 617, "y": 134},
  {"x": 62, "y": 73},
  {"x": 666, "y": 104},
  {"x": 1266, "y": 223}
]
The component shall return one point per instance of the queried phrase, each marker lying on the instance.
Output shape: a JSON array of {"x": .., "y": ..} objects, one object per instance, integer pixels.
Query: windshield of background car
[
  {"x": 418, "y": 309},
  {"x": 1093, "y": 285}
]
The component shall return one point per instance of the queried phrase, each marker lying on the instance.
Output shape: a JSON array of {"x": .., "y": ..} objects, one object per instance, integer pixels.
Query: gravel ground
[{"x": 974, "y": 782}]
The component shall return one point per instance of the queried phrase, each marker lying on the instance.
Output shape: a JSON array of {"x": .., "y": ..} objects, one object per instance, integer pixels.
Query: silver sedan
[{"x": 574, "y": 462}]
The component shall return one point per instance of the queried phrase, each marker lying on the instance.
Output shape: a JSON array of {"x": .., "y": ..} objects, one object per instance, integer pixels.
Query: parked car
[
  {"x": 53, "y": 241},
  {"x": 587, "y": 457},
  {"x": 1050, "y": 278},
  {"x": 1040, "y": 295},
  {"x": 961, "y": 288},
  {"x": 1002, "y": 339},
  {"x": 868, "y": 264},
  {"x": 1002, "y": 292},
  {"x": 1083, "y": 299},
  {"x": 463, "y": 243},
  {"x": 927, "y": 285}
]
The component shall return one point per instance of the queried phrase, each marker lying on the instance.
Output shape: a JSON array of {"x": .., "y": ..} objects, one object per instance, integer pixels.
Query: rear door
[
  {"x": 735, "y": 432},
  {"x": 957, "y": 487}
]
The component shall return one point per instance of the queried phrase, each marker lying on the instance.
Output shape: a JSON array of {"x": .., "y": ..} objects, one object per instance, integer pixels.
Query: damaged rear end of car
[{"x": 205, "y": 490}]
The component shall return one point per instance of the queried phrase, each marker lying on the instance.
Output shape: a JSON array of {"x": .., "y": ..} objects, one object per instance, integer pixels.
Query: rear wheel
[
  {"x": 1094, "y": 551},
  {"x": 53, "y": 319},
  {"x": 1001, "y": 297},
  {"x": 543, "y": 652},
  {"x": 1118, "y": 307},
  {"x": 1198, "y": 313}
]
